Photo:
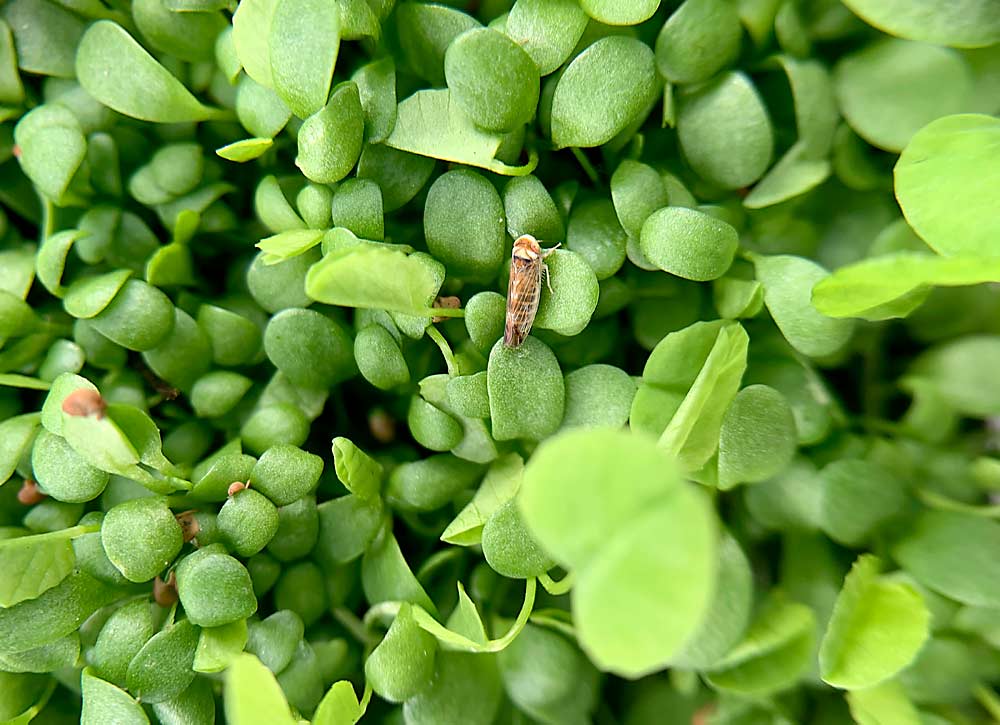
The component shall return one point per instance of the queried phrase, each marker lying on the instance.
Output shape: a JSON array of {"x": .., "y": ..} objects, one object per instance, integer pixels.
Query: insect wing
[{"x": 523, "y": 292}]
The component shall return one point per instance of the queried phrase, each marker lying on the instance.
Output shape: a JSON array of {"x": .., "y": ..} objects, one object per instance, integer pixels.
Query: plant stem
[
  {"x": 449, "y": 357},
  {"x": 588, "y": 168},
  {"x": 349, "y": 620},
  {"x": 555, "y": 588}
]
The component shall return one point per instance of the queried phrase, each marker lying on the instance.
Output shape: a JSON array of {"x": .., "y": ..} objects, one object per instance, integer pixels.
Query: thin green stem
[
  {"x": 366, "y": 698},
  {"x": 588, "y": 168},
  {"x": 349, "y": 620},
  {"x": 449, "y": 357},
  {"x": 71, "y": 533},
  {"x": 440, "y": 312},
  {"x": 556, "y": 588},
  {"x": 989, "y": 700}
]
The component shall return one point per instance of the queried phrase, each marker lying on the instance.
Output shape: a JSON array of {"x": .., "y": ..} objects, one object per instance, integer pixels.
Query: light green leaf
[
  {"x": 218, "y": 646},
  {"x": 886, "y": 703},
  {"x": 893, "y": 285},
  {"x": 246, "y": 149},
  {"x": 339, "y": 706},
  {"x": 119, "y": 73},
  {"x": 877, "y": 628},
  {"x": 251, "y": 30},
  {"x": 106, "y": 703},
  {"x": 16, "y": 434},
  {"x": 943, "y": 182},
  {"x": 620, "y": 12},
  {"x": 360, "y": 473},
  {"x": 303, "y": 43},
  {"x": 52, "y": 148},
  {"x": 285, "y": 245},
  {"x": 511, "y": 371},
  {"x": 547, "y": 30},
  {"x": 30, "y": 565},
  {"x": 429, "y": 124},
  {"x": 375, "y": 278},
  {"x": 252, "y": 695}
]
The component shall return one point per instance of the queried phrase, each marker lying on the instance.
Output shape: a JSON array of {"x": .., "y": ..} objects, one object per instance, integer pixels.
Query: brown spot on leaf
[
  {"x": 84, "y": 402},
  {"x": 165, "y": 592}
]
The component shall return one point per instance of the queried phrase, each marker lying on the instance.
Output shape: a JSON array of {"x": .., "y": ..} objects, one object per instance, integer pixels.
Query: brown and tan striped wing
[{"x": 523, "y": 292}]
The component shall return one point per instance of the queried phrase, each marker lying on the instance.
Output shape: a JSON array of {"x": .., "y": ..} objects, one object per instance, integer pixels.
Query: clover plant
[{"x": 265, "y": 458}]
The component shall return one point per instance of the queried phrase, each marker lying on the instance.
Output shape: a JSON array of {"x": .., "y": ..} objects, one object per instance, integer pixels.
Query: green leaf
[
  {"x": 275, "y": 639},
  {"x": 403, "y": 662},
  {"x": 887, "y": 112},
  {"x": 620, "y": 12},
  {"x": 189, "y": 36},
  {"x": 498, "y": 486},
  {"x": 360, "y": 473},
  {"x": 533, "y": 367},
  {"x": 548, "y": 30},
  {"x": 121, "y": 637},
  {"x": 375, "y": 278},
  {"x": 509, "y": 548},
  {"x": 963, "y": 24},
  {"x": 567, "y": 308},
  {"x": 376, "y": 83},
  {"x": 58, "y": 655},
  {"x": 493, "y": 80},
  {"x": 430, "y": 483},
  {"x": 45, "y": 36},
  {"x": 466, "y": 687},
  {"x": 386, "y": 577},
  {"x": 758, "y": 437},
  {"x": 52, "y": 148},
  {"x": 793, "y": 175},
  {"x": 950, "y": 553},
  {"x": 773, "y": 655},
  {"x": 725, "y": 132},
  {"x": 339, "y": 706},
  {"x": 946, "y": 160},
  {"x": 162, "y": 668},
  {"x": 16, "y": 434},
  {"x": 856, "y": 497},
  {"x": 149, "y": 519},
  {"x": 244, "y": 150},
  {"x": 288, "y": 244},
  {"x": 788, "y": 282},
  {"x": 637, "y": 191},
  {"x": 699, "y": 39},
  {"x": 688, "y": 243},
  {"x": 729, "y": 613},
  {"x": 651, "y": 538},
  {"x": 429, "y": 124},
  {"x": 692, "y": 435},
  {"x": 62, "y": 472},
  {"x": 251, "y": 29},
  {"x": 31, "y": 565},
  {"x": 960, "y": 372},
  {"x": 330, "y": 140},
  {"x": 303, "y": 43},
  {"x": 425, "y": 32},
  {"x": 603, "y": 90},
  {"x": 103, "y": 702},
  {"x": 468, "y": 238},
  {"x": 598, "y": 396},
  {"x": 884, "y": 703},
  {"x": 55, "y": 613},
  {"x": 119, "y": 73},
  {"x": 101, "y": 443},
  {"x": 893, "y": 285},
  {"x": 252, "y": 695},
  {"x": 877, "y": 628}
]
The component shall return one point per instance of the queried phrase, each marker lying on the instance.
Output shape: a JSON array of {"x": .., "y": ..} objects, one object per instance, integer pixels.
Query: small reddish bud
[
  {"x": 30, "y": 494},
  {"x": 165, "y": 592},
  {"x": 236, "y": 486},
  {"x": 16, "y": 151},
  {"x": 702, "y": 716},
  {"x": 382, "y": 426},
  {"x": 189, "y": 524},
  {"x": 84, "y": 402}
]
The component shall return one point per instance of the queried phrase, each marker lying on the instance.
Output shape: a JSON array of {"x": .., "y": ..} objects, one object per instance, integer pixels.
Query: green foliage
[{"x": 252, "y": 465}]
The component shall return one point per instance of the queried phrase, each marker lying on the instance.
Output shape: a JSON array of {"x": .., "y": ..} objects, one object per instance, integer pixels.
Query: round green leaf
[
  {"x": 856, "y": 497},
  {"x": 122, "y": 636},
  {"x": 103, "y": 702},
  {"x": 214, "y": 588},
  {"x": 512, "y": 372},
  {"x": 569, "y": 305},
  {"x": 890, "y": 89},
  {"x": 162, "y": 669},
  {"x": 598, "y": 396},
  {"x": 594, "y": 233},
  {"x": 330, "y": 140},
  {"x": 508, "y": 546},
  {"x": 757, "y": 439},
  {"x": 688, "y": 243},
  {"x": 275, "y": 638},
  {"x": 484, "y": 318},
  {"x": 62, "y": 473},
  {"x": 311, "y": 349},
  {"x": 962, "y": 24},
  {"x": 943, "y": 182},
  {"x": 248, "y": 521},
  {"x": 188, "y": 36},
  {"x": 431, "y": 427},
  {"x": 119, "y": 73},
  {"x": 286, "y": 473},
  {"x": 725, "y": 132},
  {"x": 464, "y": 223},
  {"x": 699, "y": 39},
  {"x": 492, "y": 79},
  {"x": 425, "y": 32},
  {"x": 620, "y": 12},
  {"x": 52, "y": 148},
  {"x": 379, "y": 358},
  {"x": 301, "y": 589},
  {"x": 530, "y": 210},
  {"x": 140, "y": 317},
  {"x": 603, "y": 90},
  {"x": 877, "y": 628},
  {"x": 432, "y": 482},
  {"x": 637, "y": 190},
  {"x": 150, "y": 521},
  {"x": 632, "y": 495},
  {"x": 217, "y": 392}
]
